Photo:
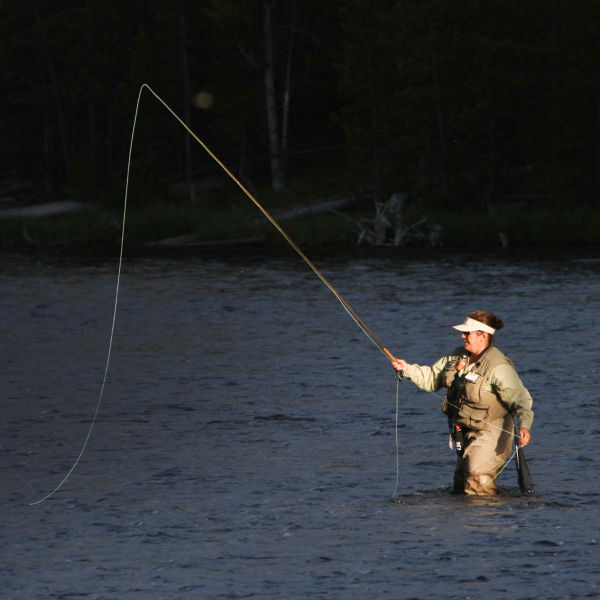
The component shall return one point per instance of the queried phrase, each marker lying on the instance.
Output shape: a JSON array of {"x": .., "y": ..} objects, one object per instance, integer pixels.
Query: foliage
[{"x": 454, "y": 102}]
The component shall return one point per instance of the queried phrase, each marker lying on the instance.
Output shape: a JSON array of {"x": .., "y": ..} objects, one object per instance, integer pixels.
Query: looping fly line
[{"x": 343, "y": 302}]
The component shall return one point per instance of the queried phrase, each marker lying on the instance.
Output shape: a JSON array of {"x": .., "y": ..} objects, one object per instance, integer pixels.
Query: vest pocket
[{"x": 472, "y": 417}]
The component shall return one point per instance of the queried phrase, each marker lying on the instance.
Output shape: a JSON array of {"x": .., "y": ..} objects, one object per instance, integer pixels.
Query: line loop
[{"x": 343, "y": 302}]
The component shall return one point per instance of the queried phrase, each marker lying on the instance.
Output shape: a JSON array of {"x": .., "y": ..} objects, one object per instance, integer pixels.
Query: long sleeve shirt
[{"x": 503, "y": 381}]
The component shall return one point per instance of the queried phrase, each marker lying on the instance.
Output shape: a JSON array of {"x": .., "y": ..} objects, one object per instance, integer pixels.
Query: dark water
[{"x": 245, "y": 444}]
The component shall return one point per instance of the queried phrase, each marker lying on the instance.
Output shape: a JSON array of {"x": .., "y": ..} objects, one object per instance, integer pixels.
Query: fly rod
[{"x": 361, "y": 324}]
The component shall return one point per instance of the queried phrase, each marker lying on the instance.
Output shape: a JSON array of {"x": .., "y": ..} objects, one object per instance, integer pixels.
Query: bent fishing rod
[{"x": 361, "y": 324}]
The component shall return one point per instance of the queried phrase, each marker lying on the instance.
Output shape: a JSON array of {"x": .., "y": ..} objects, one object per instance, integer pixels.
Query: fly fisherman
[{"x": 484, "y": 393}]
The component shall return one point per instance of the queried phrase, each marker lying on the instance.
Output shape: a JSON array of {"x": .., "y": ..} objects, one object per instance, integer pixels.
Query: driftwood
[
  {"x": 185, "y": 241},
  {"x": 42, "y": 210},
  {"x": 286, "y": 214},
  {"x": 12, "y": 192},
  {"x": 295, "y": 212},
  {"x": 388, "y": 228}
]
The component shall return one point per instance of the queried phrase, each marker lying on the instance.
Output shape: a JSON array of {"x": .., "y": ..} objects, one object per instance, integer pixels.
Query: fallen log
[
  {"x": 42, "y": 210},
  {"x": 303, "y": 210},
  {"x": 187, "y": 241}
]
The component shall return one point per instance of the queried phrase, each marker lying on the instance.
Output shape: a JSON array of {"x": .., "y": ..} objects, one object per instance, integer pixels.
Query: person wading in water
[{"x": 484, "y": 394}]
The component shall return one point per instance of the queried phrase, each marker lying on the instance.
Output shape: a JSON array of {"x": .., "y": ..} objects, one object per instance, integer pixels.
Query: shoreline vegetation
[
  {"x": 332, "y": 224},
  {"x": 482, "y": 113}
]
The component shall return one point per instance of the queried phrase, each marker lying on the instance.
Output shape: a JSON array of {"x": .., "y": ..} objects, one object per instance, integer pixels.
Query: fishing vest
[{"x": 467, "y": 402}]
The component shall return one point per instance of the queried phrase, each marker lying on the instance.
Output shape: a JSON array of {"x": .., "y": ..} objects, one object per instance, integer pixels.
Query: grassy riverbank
[
  {"x": 518, "y": 225},
  {"x": 218, "y": 222}
]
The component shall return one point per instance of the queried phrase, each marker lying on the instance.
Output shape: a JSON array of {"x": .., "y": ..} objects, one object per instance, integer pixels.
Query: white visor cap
[{"x": 473, "y": 325}]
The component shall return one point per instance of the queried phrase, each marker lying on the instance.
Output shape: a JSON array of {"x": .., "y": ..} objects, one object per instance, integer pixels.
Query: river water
[{"x": 245, "y": 444}]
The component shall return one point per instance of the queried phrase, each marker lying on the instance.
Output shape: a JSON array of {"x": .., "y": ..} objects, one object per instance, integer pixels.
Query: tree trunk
[
  {"x": 46, "y": 151},
  {"x": 55, "y": 92},
  {"x": 597, "y": 155},
  {"x": 185, "y": 72},
  {"x": 277, "y": 177},
  {"x": 287, "y": 90},
  {"x": 92, "y": 142},
  {"x": 490, "y": 188},
  {"x": 375, "y": 150},
  {"x": 437, "y": 96}
]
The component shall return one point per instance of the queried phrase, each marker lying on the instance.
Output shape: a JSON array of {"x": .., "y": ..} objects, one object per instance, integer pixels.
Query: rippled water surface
[{"x": 245, "y": 443}]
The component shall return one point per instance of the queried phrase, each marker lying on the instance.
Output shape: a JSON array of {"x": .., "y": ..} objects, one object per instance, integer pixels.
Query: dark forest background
[{"x": 462, "y": 101}]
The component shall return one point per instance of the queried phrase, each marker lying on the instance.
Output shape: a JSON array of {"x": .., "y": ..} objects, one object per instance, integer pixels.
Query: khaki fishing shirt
[{"x": 502, "y": 381}]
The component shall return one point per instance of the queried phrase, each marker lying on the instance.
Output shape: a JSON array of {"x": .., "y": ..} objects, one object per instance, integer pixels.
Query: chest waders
[
  {"x": 470, "y": 406},
  {"x": 476, "y": 414}
]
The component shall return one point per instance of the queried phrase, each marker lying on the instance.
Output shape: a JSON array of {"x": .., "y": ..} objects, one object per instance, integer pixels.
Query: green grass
[
  {"x": 234, "y": 217},
  {"x": 150, "y": 224},
  {"x": 522, "y": 226}
]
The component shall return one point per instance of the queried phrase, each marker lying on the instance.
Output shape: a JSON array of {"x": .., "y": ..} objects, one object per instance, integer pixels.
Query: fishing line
[
  {"x": 505, "y": 464},
  {"x": 359, "y": 322},
  {"x": 401, "y": 376},
  {"x": 396, "y": 438},
  {"x": 464, "y": 411},
  {"x": 273, "y": 222},
  {"x": 112, "y": 330}
]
